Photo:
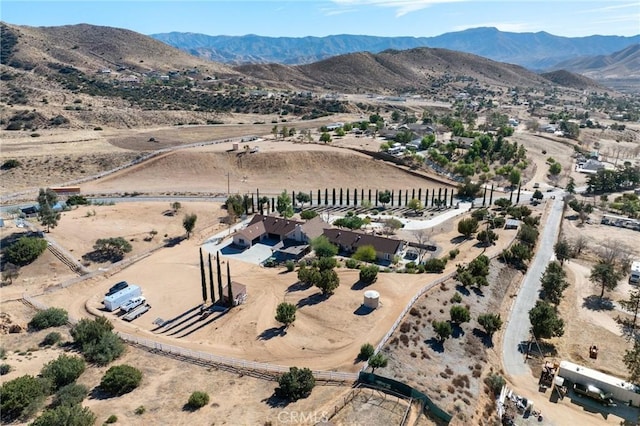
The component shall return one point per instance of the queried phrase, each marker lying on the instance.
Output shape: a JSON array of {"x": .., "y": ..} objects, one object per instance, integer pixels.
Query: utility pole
[{"x": 228, "y": 184}]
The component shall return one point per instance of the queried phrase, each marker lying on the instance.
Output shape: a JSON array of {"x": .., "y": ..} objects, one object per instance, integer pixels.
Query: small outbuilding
[
  {"x": 238, "y": 292},
  {"x": 371, "y": 299}
]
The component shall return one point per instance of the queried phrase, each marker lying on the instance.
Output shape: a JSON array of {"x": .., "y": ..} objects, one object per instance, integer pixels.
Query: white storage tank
[{"x": 371, "y": 299}]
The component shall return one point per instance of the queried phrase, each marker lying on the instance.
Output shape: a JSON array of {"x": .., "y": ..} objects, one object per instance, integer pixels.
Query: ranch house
[{"x": 349, "y": 241}]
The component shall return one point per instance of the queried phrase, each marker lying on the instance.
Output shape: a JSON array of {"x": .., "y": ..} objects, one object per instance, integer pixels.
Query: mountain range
[{"x": 539, "y": 51}]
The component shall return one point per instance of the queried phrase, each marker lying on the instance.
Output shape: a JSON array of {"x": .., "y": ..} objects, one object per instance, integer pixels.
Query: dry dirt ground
[{"x": 170, "y": 279}]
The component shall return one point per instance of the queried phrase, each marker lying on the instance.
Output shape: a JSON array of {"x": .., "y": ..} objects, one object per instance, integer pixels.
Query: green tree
[
  {"x": 189, "y": 223},
  {"x": 487, "y": 237},
  {"x": 97, "y": 341},
  {"x": 553, "y": 283},
  {"x": 175, "y": 206},
  {"x": 71, "y": 415},
  {"x": 120, "y": 379},
  {"x": 21, "y": 397},
  {"x": 286, "y": 313},
  {"x": 325, "y": 137},
  {"x": 366, "y": 253},
  {"x": 368, "y": 274},
  {"x": 308, "y": 214},
  {"x": 10, "y": 272},
  {"x": 545, "y": 322},
  {"x": 50, "y": 317},
  {"x": 391, "y": 225},
  {"x": 469, "y": 189},
  {"x": 514, "y": 177},
  {"x": 384, "y": 197},
  {"x": 378, "y": 361},
  {"x": 571, "y": 186},
  {"x": 414, "y": 204},
  {"x": 328, "y": 282},
  {"x": 562, "y": 249},
  {"x": 25, "y": 250},
  {"x": 605, "y": 275},
  {"x": 435, "y": 265},
  {"x": 48, "y": 217},
  {"x": 537, "y": 195},
  {"x": 631, "y": 360},
  {"x": 283, "y": 205},
  {"x": 467, "y": 226},
  {"x": 350, "y": 221},
  {"x": 442, "y": 329},
  {"x": 459, "y": 314},
  {"x": 63, "y": 370},
  {"x": 490, "y": 322},
  {"x": 502, "y": 203},
  {"x": 198, "y": 399},
  {"x": 296, "y": 383},
  {"x": 47, "y": 197},
  {"x": 112, "y": 248},
  {"x": 555, "y": 168},
  {"x": 235, "y": 204},
  {"x": 323, "y": 247},
  {"x": 303, "y": 197},
  {"x": 632, "y": 304},
  {"x": 366, "y": 351}
]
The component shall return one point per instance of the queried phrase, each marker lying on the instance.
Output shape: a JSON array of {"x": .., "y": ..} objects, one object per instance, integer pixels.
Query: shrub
[
  {"x": 4, "y": 369},
  {"x": 112, "y": 419},
  {"x": 21, "y": 397},
  {"x": 295, "y": 384},
  {"x": 70, "y": 394},
  {"x": 75, "y": 415},
  {"x": 51, "y": 338},
  {"x": 63, "y": 370},
  {"x": 459, "y": 314},
  {"x": 351, "y": 263},
  {"x": 453, "y": 253},
  {"x": 435, "y": 265},
  {"x": 290, "y": 265},
  {"x": 366, "y": 351},
  {"x": 365, "y": 253},
  {"x": 140, "y": 410},
  {"x": 96, "y": 340},
  {"x": 52, "y": 317},
  {"x": 368, "y": 274},
  {"x": 75, "y": 200},
  {"x": 25, "y": 250},
  {"x": 120, "y": 379},
  {"x": 308, "y": 214},
  {"x": 495, "y": 383},
  {"x": 198, "y": 399},
  {"x": 456, "y": 298}
]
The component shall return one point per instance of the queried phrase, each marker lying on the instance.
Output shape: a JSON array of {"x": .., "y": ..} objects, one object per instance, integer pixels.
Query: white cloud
[{"x": 402, "y": 7}]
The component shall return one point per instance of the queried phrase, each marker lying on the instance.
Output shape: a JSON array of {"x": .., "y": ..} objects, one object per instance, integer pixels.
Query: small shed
[
  {"x": 512, "y": 224},
  {"x": 239, "y": 293},
  {"x": 371, "y": 299}
]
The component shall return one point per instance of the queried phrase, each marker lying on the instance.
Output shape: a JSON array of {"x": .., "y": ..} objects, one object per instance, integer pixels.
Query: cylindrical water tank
[{"x": 371, "y": 299}]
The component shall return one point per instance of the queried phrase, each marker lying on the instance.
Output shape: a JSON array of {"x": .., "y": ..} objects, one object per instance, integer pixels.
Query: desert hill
[
  {"x": 569, "y": 79},
  {"x": 393, "y": 71}
]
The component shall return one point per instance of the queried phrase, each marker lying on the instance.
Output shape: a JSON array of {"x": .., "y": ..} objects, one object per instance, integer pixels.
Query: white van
[
  {"x": 634, "y": 276},
  {"x": 133, "y": 303}
]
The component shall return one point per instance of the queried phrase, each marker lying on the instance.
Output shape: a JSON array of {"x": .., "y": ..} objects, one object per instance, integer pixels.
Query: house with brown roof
[
  {"x": 293, "y": 236},
  {"x": 238, "y": 292},
  {"x": 349, "y": 241}
]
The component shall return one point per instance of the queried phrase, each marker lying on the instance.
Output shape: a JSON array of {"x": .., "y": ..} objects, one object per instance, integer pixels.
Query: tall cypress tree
[
  {"x": 203, "y": 279},
  {"x": 211, "y": 287},
  {"x": 229, "y": 286},
  {"x": 219, "y": 276}
]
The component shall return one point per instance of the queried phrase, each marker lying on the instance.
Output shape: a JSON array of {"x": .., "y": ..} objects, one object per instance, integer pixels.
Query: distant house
[
  {"x": 590, "y": 166},
  {"x": 334, "y": 126},
  {"x": 512, "y": 224},
  {"x": 463, "y": 142},
  {"x": 30, "y": 211},
  {"x": 349, "y": 241}
]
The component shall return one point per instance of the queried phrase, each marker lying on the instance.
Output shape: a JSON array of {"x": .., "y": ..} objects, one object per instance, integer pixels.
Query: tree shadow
[
  {"x": 595, "y": 303},
  {"x": 363, "y": 310},
  {"x": 275, "y": 401},
  {"x": 478, "y": 291},
  {"x": 174, "y": 241},
  {"x": 186, "y": 318},
  {"x": 298, "y": 286},
  {"x": 436, "y": 345},
  {"x": 484, "y": 337},
  {"x": 272, "y": 332},
  {"x": 314, "y": 299},
  {"x": 463, "y": 290},
  {"x": 456, "y": 331},
  {"x": 98, "y": 394},
  {"x": 360, "y": 285},
  {"x": 523, "y": 346},
  {"x": 101, "y": 256},
  {"x": 458, "y": 240},
  {"x": 183, "y": 314},
  {"x": 202, "y": 317}
]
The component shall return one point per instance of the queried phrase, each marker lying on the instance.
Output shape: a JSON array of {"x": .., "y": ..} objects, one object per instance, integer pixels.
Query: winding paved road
[{"x": 518, "y": 325}]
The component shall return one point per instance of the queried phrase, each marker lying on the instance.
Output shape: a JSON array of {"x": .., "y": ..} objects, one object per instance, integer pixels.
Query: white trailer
[
  {"x": 619, "y": 388},
  {"x": 115, "y": 300},
  {"x": 634, "y": 275}
]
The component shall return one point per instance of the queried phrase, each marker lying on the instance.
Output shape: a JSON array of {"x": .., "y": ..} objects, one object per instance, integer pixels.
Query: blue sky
[{"x": 299, "y": 18}]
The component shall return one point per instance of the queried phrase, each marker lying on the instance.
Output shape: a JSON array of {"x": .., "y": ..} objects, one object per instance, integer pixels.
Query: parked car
[
  {"x": 133, "y": 303},
  {"x": 595, "y": 393},
  {"x": 117, "y": 287}
]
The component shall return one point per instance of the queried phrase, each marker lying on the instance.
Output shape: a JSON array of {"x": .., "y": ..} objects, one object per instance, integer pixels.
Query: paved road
[{"x": 518, "y": 325}]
